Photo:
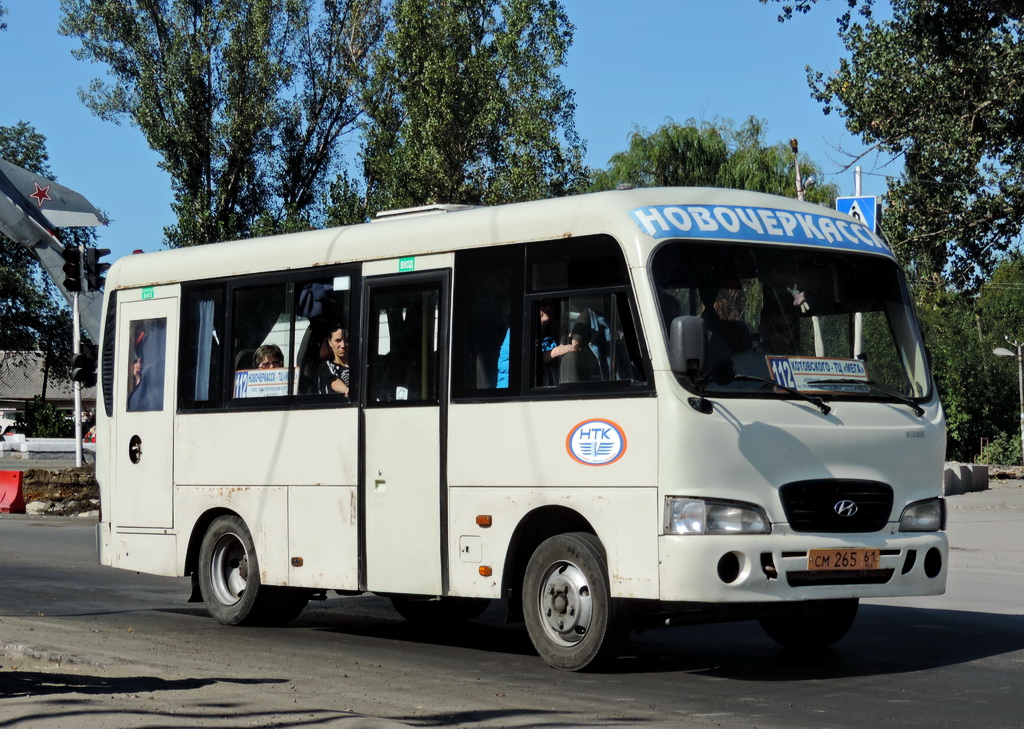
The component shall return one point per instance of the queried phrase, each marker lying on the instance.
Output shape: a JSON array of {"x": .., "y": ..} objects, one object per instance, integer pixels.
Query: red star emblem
[{"x": 42, "y": 194}]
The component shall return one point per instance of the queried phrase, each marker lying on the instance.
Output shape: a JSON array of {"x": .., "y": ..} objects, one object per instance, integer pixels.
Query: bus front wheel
[
  {"x": 812, "y": 625},
  {"x": 229, "y": 578},
  {"x": 571, "y": 618}
]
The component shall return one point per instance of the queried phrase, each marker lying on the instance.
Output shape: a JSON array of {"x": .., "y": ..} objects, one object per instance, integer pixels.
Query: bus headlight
[
  {"x": 686, "y": 515},
  {"x": 924, "y": 516}
]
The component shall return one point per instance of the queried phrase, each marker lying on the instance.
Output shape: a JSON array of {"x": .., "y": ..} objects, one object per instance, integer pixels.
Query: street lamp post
[{"x": 1004, "y": 352}]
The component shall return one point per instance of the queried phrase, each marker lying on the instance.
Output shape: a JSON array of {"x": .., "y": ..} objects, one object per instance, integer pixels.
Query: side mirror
[{"x": 686, "y": 346}]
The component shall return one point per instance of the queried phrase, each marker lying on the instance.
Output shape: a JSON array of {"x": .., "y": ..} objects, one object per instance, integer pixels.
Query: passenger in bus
[
  {"x": 334, "y": 375},
  {"x": 268, "y": 357},
  {"x": 146, "y": 385},
  {"x": 549, "y": 349}
]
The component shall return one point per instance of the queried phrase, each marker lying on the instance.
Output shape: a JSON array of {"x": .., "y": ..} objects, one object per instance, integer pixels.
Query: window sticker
[
  {"x": 596, "y": 442},
  {"x": 806, "y": 373},
  {"x": 261, "y": 383}
]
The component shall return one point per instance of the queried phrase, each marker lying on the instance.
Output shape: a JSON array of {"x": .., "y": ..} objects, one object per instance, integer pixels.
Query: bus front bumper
[{"x": 778, "y": 567}]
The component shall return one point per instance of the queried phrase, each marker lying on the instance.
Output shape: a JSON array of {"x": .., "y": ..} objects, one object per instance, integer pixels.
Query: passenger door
[
  {"x": 141, "y": 454},
  {"x": 406, "y": 325}
]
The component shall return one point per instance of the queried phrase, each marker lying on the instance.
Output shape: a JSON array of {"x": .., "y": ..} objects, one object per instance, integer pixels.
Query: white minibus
[{"x": 609, "y": 412}]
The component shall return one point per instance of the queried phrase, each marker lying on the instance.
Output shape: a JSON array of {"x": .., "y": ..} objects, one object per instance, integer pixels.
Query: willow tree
[
  {"x": 246, "y": 101},
  {"x": 467, "y": 107},
  {"x": 714, "y": 154}
]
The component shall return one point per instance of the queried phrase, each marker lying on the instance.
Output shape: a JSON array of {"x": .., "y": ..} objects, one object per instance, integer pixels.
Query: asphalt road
[{"x": 87, "y": 646}]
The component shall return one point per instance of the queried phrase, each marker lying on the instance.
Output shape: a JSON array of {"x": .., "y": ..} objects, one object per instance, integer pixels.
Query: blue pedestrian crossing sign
[{"x": 865, "y": 209}]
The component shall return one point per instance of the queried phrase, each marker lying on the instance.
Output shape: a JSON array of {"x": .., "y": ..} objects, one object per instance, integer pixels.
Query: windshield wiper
[
  {"x": 816, "y": 401},
  {"x": 875, "y": 388}
]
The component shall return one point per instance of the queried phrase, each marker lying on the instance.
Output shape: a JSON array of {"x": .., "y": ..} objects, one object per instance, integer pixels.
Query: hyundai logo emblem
[{"x": 845, "y": 508}]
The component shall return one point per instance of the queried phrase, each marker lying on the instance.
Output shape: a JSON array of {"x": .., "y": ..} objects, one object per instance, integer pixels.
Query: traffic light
[
  {"x": 72, "y": 268},
  {"x": 83, "y": 365},
  {"x": 94, "y": 269}
]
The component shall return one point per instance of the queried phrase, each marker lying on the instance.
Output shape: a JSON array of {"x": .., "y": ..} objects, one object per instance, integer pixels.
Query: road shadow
[
  {"x": 35, "y": 683},
  {"x": 883, "y": 640}
]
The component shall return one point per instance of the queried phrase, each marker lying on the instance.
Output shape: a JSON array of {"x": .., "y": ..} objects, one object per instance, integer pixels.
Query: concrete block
[{"x": 951, "y": 483}]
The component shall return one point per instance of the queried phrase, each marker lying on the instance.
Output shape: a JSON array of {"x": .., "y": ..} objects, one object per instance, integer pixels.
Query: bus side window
[
  {"x": 485, "y": 332},
  {"x": 321, "y": 305},
  {"x": 202, "y": 355},
  {"x": 147, "y": 365},
  {"x": 581, "y": 325},
  {"x": 262, "y": 328}
]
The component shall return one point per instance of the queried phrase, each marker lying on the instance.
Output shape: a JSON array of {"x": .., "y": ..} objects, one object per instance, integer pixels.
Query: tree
[
  {"x": 32, "y": 314},
  {"x": 673, "y": 155},
  {"x": 467, "y": 107},
  {"x": 245, "y": 100},
  {"x": 963, "y": 367},
  {"x": 3, "y": 12},
  {"x": 937, "y": 86},
  {"x": 712, "y": 154}
]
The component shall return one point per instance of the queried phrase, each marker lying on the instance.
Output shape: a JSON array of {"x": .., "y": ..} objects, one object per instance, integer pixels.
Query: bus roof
[{"x": 638, "y": 218}]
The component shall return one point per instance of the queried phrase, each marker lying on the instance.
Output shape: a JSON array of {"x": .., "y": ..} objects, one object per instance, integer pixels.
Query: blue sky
[{"x": 632, "y": 65}]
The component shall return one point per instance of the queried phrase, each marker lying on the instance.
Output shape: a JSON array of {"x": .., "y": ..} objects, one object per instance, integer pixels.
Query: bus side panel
[
  {"x": 268, "y": 448},
  {"x": 150, "y": 552},
  {"x": 530, "y": 454},
  {"x": 323, "y": 542},
  {"x": 310, "y": 456},
  {"x": 264, "y": 510},
  {"x": 624, "y": 519}
]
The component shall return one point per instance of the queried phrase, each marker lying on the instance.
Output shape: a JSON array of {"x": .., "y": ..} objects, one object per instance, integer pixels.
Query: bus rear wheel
[
  {"x": 572, "y": 620},
  {"x": 813, "y": 625},
  {"x": 229, "y": 578}
]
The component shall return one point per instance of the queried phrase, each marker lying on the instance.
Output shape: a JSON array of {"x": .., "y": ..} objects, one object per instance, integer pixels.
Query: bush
[
  {"x": 1003, "y": 450},
  {"x": 43, "y": 420}
]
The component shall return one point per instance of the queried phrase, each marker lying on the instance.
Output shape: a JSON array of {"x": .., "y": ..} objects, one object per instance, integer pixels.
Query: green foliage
[
  {"x": 803, "y": 6},
  {"x": 1003, "y": 450},
  {"x": 245, "y": 100},
  {"x": 938, "y": 86},
  {"x": 962, "y": 369},
  {"x": 3, "y": 12},
  {"x": 43, "y": 420},
  {"x": 715, "y": 155},
  {"x": 673, "y": 155},
  {"x": 979, "y": 390},
  {"x": 466, "y": 105},
  {"x": 32, "y": 314}
]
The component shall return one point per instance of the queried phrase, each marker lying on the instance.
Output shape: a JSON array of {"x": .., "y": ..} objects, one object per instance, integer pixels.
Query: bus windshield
[{"x": 827, "y": 322}]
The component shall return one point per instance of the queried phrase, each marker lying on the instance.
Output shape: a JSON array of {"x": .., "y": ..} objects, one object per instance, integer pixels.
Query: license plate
[{"x": 842, "y": 559}]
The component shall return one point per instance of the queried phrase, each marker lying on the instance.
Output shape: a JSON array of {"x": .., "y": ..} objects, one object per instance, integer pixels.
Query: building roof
[{"x": 21, "y": 379}]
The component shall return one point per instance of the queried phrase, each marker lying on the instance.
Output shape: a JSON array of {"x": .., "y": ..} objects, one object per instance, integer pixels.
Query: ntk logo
[{"x": 596, "y": 443}]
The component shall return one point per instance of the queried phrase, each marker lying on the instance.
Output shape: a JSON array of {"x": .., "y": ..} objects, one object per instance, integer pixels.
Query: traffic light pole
[{"x": 76, "y": 344}]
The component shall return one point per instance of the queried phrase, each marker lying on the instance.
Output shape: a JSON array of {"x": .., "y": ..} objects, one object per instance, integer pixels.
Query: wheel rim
[
  {"x": 229, "y": 569},
  {"x": 565, "y": 602}
]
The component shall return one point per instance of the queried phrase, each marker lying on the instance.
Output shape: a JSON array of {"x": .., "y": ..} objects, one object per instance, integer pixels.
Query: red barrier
[{"x": 11, "y": 499}]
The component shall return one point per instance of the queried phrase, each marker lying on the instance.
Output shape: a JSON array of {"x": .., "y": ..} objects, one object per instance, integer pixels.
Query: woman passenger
[{"x": 334, "y": 376}]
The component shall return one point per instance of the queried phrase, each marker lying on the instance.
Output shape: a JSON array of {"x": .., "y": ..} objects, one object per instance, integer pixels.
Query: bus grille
[{"x": 824, "y": 505}]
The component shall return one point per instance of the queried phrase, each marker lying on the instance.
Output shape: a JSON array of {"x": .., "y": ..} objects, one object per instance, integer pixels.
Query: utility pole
[
  {"x": 795, "y": 146},
  {"x": 1004, "y": 352},
  {"x": 76, "y": 344}
]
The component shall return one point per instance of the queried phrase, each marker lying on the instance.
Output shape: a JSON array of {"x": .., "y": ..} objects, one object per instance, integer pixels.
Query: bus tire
[
  {"x": 572, "y": 620},
  {"x": 280, "y": 605},
  {"x": 439, "y": 611},
  {"x": 229, "y": 579},
  {"x": 813, "y": 625}
]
